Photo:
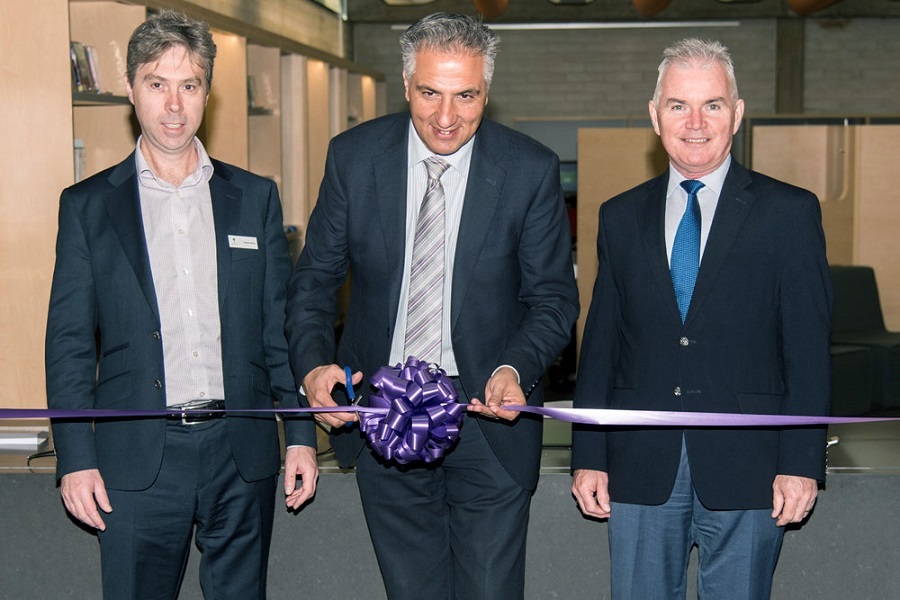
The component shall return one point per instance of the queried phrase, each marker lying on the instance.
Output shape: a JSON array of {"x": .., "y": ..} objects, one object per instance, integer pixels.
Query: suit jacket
[
  {"x": 104, "y": 347},
  {"x": 755, "y": 340},
  {"x": 513, "y": 299}
]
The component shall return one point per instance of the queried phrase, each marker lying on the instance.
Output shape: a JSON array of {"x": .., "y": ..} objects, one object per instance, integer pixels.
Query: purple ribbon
[{"x": 420, "y": 418}]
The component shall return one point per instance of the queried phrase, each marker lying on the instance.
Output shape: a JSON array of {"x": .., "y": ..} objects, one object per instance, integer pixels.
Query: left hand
[
  {"x": 300, "y": 467},
  {"x": 793, "y": 498},
  {"x": 501, "y": 389}
]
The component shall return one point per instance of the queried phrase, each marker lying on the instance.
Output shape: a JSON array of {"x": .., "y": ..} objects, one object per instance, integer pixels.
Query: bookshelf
[{"x": 283, "y": 135}]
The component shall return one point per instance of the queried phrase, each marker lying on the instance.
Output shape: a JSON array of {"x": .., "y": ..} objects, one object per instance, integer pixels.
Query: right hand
[
  {"x": 317, "y": 386},
  {"x": 591, "y": 491},
  {"x": 82, "y": 492}
]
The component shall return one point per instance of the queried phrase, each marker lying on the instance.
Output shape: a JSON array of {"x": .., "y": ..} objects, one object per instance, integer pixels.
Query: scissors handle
[{"x": 351, "y": 393}]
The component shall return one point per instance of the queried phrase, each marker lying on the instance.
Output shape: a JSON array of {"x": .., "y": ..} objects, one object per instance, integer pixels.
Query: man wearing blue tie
[{"x": 713, "y": 295}]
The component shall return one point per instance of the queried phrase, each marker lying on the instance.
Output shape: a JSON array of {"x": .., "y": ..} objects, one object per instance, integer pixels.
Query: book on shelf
[{"x": 84, "y": 69}]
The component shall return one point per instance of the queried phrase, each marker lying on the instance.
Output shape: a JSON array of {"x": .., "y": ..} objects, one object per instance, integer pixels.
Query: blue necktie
[{"x": 686, "y": 249}]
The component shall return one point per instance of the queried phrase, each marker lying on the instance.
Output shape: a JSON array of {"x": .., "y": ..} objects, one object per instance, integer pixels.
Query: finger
[{"x": 290, "y": 480}]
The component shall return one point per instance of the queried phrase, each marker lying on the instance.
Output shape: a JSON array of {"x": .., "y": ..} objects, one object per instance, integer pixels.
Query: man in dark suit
[
  {"x": 750, "y": 336},
  {"x": 503, "y": 312},
  {"x": 169, "y": 291}
]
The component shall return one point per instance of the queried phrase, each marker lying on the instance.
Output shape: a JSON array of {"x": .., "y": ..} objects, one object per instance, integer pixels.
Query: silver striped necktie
[{"x": 426, "y": 280}]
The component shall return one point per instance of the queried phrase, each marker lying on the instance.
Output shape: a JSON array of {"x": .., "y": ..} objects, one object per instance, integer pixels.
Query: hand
[
  {"x": 793, "y": 498},
  {"x": 501, "y": 389},
  {"x": 591, "y": 491},
  {"x": 82, "y": 492},
  {"x": 300, "y": 460},
  {"x": 317, "y": 386}
]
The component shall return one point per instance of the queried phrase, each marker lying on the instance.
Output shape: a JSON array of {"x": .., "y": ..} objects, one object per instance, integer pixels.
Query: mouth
[
  {"x": 443, "y": 132},
  {"x": 173, "y": 126},
  {"x": 698, "y": 140}
]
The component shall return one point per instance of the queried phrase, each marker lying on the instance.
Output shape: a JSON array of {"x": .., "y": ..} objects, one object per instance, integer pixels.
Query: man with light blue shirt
[
  {"x": 454, "y": 234},
  {"x": 168, "y": 292},
  {"x": 713, "y": 295}
]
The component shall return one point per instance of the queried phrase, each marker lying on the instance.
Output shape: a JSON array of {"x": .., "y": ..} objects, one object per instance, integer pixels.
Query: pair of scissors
[{"x": 351, "y": 393}]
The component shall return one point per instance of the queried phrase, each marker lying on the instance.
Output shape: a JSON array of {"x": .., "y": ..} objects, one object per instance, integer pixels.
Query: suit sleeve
[
  {"x": 70, "y": 344},
  {"x": 806, "y": 300},
  {"x": 319, "y": 273},
  {"x": 597, "y": 359},
  {"x": 547, "y": 286},
  {"x": 299, "y": 430}
]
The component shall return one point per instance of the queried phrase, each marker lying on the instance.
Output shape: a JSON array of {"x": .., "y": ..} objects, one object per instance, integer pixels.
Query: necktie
[
  {"x": 426, "y": 280},
  {"x": 686, "y": 249}
]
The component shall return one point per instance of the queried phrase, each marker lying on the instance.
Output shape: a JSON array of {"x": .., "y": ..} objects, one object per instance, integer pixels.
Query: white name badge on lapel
[{"x": 242, "y": 241}]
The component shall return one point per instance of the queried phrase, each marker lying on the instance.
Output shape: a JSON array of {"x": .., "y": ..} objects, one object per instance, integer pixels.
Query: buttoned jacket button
[
  {"x": 684, "y": 341},
  {"x": 158, "y": 384},
  {"x": 677, "y": 391},
  {"x": 156, "y": 335}
]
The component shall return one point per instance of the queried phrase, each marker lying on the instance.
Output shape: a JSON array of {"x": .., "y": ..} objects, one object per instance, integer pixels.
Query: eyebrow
[
  {"x": 716, "y": 100},
  {"x": 471, "y": 91},
  {"x": 155, "y": 77}
]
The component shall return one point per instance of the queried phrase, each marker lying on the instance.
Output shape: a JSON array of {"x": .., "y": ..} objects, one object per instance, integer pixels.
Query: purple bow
[{"x": 423, "y": 417}]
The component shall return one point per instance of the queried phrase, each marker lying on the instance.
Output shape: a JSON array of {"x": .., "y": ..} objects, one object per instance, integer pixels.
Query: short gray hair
[
  {"x": 691, "y": 51},
  {"x": 446, "y": 32},
  {"x": 168, "y": 29}
]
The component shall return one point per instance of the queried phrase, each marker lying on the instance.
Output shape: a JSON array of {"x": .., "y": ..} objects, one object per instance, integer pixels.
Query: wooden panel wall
[
  {"x": 610, "y": 161},
  {"x": 36, "y": 155}
]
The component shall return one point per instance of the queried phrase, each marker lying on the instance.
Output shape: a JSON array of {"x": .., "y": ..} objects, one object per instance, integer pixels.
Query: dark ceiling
[{"x": 545, "y": 11}]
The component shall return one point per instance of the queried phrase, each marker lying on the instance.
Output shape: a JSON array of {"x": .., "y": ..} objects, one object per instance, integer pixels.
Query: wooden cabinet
[{"x": 283, "y": 134}]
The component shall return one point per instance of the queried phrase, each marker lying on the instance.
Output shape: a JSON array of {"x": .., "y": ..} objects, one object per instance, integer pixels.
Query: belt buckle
[{"x": 196, "y": 417}]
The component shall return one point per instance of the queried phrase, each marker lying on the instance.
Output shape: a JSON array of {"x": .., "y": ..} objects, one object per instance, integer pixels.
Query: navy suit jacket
[
  {"x": 755, "y": 340},
  {"x": 104, "y": 347},
  {"x": 513, "y": 299}
]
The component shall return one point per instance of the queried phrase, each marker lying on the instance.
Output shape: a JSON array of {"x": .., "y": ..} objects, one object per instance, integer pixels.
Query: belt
[{"x": 196, "y": 414}]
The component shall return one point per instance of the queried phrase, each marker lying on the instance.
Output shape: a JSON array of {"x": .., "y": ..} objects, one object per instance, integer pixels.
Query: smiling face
[
  {"x": 447, "y": 95},
  {"x": 696, "y": 117},
  {"x": 169, "y": 97}
]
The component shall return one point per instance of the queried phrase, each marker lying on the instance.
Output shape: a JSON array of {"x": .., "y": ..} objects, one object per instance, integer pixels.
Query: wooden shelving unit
[{"x": 283, "y": 135}]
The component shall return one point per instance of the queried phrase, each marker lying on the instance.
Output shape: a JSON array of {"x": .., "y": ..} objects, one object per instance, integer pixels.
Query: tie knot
[
  {"x": 436, "y": 167},
  {"x": 692, "y": 186}
]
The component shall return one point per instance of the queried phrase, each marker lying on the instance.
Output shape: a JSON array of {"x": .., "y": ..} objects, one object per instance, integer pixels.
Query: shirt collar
[
  {"x": 418, "y": 151},
  {"x": 202, "y": 174},
  {"x": 715, "y": 181}
]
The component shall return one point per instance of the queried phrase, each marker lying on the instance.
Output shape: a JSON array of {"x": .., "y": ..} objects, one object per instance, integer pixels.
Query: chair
[
  {"x": 857, "y": 320},
  {"x": 851, "y": 381}
]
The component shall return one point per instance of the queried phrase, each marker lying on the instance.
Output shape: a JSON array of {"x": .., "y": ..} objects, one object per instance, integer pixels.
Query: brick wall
[{"x": 612, "y": 72}]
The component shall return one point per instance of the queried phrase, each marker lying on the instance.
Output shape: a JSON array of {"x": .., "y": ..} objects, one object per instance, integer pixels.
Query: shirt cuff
[{"x": 518, "y": 379}]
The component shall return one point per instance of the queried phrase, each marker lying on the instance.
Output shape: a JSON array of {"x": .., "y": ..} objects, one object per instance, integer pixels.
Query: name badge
[{"x": 242, "y": 241}]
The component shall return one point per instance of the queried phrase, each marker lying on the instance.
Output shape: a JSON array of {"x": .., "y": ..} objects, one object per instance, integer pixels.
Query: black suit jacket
[
  {"x": 755, "y": 340},
  {"x": 104, "y": 347},
  {"x": 513, "y": 300}
]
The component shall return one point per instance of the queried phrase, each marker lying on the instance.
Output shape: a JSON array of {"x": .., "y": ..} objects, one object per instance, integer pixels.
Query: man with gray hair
[
  {"x": 502, "y": 298},
  {"x": 713, "y": 295},
  {"x": 168, "y": 292}
]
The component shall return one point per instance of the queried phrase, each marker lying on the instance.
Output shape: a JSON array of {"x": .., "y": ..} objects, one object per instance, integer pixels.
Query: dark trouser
[
  {"x": 455, "y": 530},
  {"x": 650, "y": 548},
  {"x": 148, "y": 535}
]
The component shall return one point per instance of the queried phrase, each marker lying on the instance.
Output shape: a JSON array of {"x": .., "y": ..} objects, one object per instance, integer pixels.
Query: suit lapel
[
  {"x": 226, "y": 205},
  {"x": 731, "y": 211},
  {"x": 123, "y": 205},
  {"x": 652, "y": 216},
  {"x": 486, "y": 178},
  {"x": 389, "y": 171}
]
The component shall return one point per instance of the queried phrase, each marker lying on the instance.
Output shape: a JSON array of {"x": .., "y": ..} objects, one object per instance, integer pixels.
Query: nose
[
  {"x": 173, "y": 102},
  {"x": 696, "y": 119},
  {"x": 446, "y": 115}
]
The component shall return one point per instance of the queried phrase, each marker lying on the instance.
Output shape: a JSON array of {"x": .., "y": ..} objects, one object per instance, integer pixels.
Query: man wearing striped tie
[
  {"x": 713, "y": 295},
  {"x": 453, "y": 231}
]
